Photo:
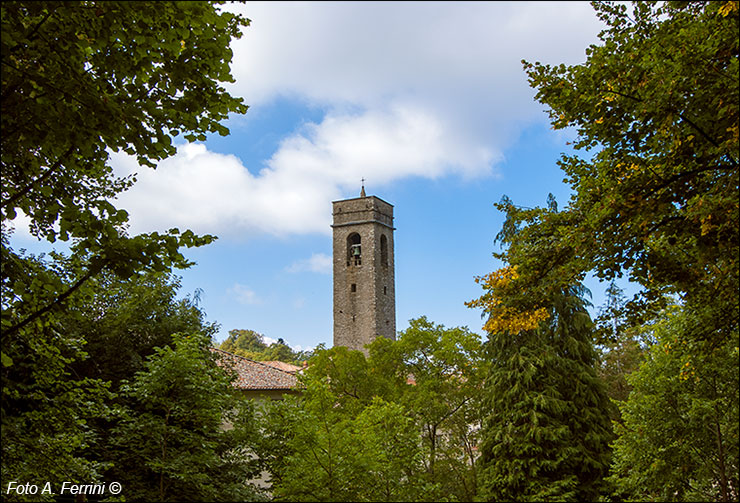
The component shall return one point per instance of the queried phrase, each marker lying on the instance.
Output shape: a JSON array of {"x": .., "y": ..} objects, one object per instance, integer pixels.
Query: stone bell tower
[{"x": 364, "y": 278}]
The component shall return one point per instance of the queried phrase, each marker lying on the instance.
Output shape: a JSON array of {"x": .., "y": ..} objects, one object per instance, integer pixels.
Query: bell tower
[{"x": 364, "y": 278}]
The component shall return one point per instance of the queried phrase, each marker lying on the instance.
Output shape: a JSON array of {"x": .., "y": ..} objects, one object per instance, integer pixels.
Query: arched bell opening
[{"x": 354, "y": 249}]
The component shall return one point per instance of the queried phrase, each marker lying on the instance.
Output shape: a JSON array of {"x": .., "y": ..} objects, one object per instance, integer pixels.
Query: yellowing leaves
[
  {"x": 504, "y": 318},
  {"x": 734, "y": 132},
  {"x": 687, "y": 372},
  {"x": 499, "y": 278},
  {"x": 625, "y": 173},
  {"x": 727, "y": 8}
]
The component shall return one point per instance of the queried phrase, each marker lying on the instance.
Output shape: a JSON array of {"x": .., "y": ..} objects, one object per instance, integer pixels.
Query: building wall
[{"x": 364, "y": 291}]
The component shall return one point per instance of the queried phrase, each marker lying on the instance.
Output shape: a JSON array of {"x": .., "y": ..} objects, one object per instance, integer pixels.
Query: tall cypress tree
[{"x": 546, "y": 431}]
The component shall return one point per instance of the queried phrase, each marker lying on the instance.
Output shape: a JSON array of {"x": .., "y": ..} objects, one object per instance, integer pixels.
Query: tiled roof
[
  {"x": 252, "y": 375},
  {"x": 287, "y": 367}
]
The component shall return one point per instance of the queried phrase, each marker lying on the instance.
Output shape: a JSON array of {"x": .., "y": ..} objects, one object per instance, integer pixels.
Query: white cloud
[
  {"x": 214, "y": 193},
  {"x": 318, "y": 262},
  {"x": 244, "y": 295},
  {"x": 367, "y": 52},
  {"x": 419, "y": 89},
  {"x": 268, "y": 340}
]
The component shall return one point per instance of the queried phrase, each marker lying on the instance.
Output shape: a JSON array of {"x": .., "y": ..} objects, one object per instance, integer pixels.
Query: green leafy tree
[
  {"x": 61, "y": 383},
  {"x": 679, "y": 440},
  {"x": 252, "y": 345},
  {"x": 398, "y": 425},
  {"x": 447, "y": 370},
  {"x": 172, "y": 444},
  {"x": 620, "y": 347},
  {"x": 79, "y": 80},
  {"x": 655, "y": 107},
  {"x": 352, "y": 378},
  {"x": 247, "y": 343},
  {"x": 391, "y": 454},
  {"x": 277, "y": 423},
  {"x": 324, "y": 464},
  {"x": 655, "y": 196},
  {"x": 546, "y": 426},
  {"x": 122, "y": 321},
  {"x": 281, "y": 352},
  {"x": 129, "y": 76},
  {"x": 334, "y": 455},
  {"x": 48, "y": 411}
]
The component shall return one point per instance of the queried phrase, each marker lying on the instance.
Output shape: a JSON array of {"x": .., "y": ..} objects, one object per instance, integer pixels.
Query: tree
[
  {"x": 281, "y": 352},
  {"x": 47, "y": 410},
  {"x": 620, "y": 346},
  {"x": 252, "y": 345},
  {"x": 398, "y": 425},
  {"x": 546, "y": 429},
  {"x": 447, "y": 369},
  {"x": 172, "y": 445},
  {"x": 122, "y": 321},
  {"x": 655, "y": 107},
  {"x": 658, "y": 103},
  {"x": 60, "y": 392},
  {"x": 679, "y": 440},
  {"x": 338, "y": 455},
  {"x": 128, "y": 76},
  {"x": 244, "y": 342},
  {"x": 79, "y": 80}
]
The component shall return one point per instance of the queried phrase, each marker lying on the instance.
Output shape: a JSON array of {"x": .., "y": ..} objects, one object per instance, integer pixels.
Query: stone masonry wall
[{"x": 364, "y": 292}]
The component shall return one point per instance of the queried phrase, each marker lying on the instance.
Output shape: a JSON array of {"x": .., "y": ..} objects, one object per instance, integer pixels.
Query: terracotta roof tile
[
  {"x": 252, "y": 375},
  {"x": 287, "y": 367}
]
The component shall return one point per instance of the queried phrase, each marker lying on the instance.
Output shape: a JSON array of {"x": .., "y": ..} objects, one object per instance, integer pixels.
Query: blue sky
[{"x": 425, "y": 100}]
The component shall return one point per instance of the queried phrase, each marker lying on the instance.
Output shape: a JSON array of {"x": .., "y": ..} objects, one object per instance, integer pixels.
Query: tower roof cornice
[{"x": 360, "y": 198}]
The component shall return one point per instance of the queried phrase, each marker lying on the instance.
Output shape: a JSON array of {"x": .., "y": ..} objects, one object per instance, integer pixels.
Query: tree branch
[
  {"x": 61, "y": 298},
  {"x": 35, "y": 29},
  {"x": 41, "y": 178}
]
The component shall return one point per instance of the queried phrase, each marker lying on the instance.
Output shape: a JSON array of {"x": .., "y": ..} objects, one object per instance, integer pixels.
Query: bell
[{"x": 356, "y": 251}]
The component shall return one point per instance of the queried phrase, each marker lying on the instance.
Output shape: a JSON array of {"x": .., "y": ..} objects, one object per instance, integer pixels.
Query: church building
[{"x": 364, "y": 278}]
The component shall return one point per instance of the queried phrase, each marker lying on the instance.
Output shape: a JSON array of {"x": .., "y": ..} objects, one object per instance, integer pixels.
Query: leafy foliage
[
  {"x": 546, "y": 431},
  {"x": 128, "y": 76},
  {"x": 398, "y": 425},
  {"x": 447, "y": 369},
  {"x": 79, "y": 80},
  {"x": 252, "y": 345},
  {"x": 335, "y": 456},
  {"x": 658, "y": 100},
  {"x": 172, "y": 443},
  {"x": 679, "y": 440},
  {"x": 621, "y": 348},
  {"x": 48, "y": 411},
  {"x": 654, "y": 197},
  {"x": 124, "y": 320},
  {"x": 62, "y": 414}
]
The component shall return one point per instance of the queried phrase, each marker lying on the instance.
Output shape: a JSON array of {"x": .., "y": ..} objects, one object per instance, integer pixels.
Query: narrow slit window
[{"x": 384, "y": 250}]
